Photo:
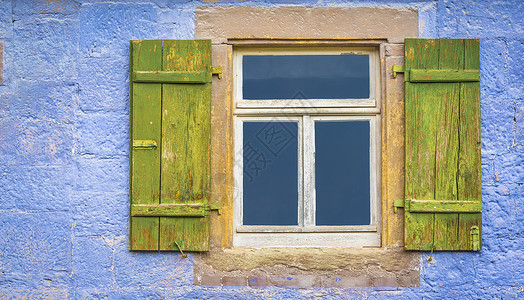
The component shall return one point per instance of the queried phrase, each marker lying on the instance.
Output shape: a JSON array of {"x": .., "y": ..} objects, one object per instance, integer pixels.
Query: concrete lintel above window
[{"x": 221, "y": 23}]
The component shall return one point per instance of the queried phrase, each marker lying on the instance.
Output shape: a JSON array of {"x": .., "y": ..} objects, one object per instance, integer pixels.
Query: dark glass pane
[
  {"x": 305, "y": 76},
  {"x": 270, "y": 173},
  {"x": 342, "y": 173}
]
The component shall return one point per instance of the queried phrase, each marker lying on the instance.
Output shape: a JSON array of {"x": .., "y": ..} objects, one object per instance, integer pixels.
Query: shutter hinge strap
[
  {"x": 144, "y": 144},
  {"x": 217, "y": 71},
  {"x": 181, "y": 210},
  {"x": 397, "y": 69},
  {"x": 397, "y": 204},
  {"x": 474, "y": 231}
]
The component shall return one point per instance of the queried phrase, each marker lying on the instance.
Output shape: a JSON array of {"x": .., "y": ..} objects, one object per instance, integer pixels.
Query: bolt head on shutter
[
  {"x": 443, "y": 203},
  {"x": 170, "y": 115}
]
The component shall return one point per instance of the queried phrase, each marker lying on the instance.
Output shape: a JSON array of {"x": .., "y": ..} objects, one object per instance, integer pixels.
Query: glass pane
[
  {"x": 270, "y": 162},
  {"x": 342, "y": 176},
  {"x": 305, "y": 76}
]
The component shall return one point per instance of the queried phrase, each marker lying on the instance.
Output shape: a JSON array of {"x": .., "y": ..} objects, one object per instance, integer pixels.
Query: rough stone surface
[
  {"x": 63, "y": 154},
  {"x": 221, "y": 23},
  {"x": 309, "y": 267}
]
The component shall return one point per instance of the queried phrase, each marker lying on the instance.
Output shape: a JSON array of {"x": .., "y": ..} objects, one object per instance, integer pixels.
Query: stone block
[
  {"x": 234, "y": 281},
  {"x": 55, "y": 7},
  {"x": 100, "y": 213},
  {"x": 346, "y": 282},
  {"x": 258, "y": 281},
  {"x": 385, "y": 281},
  {"x": 107, "y": 175},
  {"x": 104, "y": 84},
  {"x": 411, "y": 279},
  {"x": 510, "y": 168},
  {"x": 515, "y": 60},
  {"x": 135, "y": 270},
  {"x": 208, "y": 280},
  {"x": 32, "y": 141},
  {"x": 394, "y": 49},
  {"x": 41, "y": 99},
  {"x": 107, "y": 27},
  {"x": 103, "y": 134},
  {"x": 497, "y": 125},
  {"x": 220, "y": 23},
  {"x": 45, "y": 49},
  {"x": 36, "y": 188},
  {"x": 93, "y": 262},
  {"x": 35, "y": 246},
  {"x": 493, "y": 67},
  {"x": 296, "y": 280}
]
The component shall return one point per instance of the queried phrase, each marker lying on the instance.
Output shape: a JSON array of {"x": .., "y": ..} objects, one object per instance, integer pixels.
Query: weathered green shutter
[
  {"x": 170, "y": 111},
  {"x": 443, "y": 204}
]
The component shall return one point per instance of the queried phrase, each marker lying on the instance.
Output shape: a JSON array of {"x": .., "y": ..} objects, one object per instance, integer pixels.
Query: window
[{"x": 307, "y": 136}]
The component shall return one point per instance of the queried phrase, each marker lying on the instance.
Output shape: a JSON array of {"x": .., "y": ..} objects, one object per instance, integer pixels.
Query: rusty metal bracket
[
  {"x": 216, "y": 206},
  {"x": 180, "y": 249},
  {"x": 217, "y": 71},
  {"x": 397, "y": 69},
  {"x": 397, "y": 204}
]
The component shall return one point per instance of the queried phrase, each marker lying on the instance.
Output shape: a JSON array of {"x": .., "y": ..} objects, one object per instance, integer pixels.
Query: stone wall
[{"x": 64, "y": 149}]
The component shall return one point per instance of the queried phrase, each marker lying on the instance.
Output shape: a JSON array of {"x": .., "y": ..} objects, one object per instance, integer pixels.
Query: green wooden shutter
[
  {"x": 443, "y": 204},
  {"x": 170, "y": 114}
]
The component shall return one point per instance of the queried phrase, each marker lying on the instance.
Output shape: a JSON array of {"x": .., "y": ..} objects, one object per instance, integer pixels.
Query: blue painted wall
[{"x": 64, "y": 147}]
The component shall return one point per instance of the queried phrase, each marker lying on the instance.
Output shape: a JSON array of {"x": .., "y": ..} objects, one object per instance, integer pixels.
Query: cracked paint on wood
[
  {"x": 176, "y": 116},
  {"x": 64, "y": 146},
  {"x": 442, "y": 145}
]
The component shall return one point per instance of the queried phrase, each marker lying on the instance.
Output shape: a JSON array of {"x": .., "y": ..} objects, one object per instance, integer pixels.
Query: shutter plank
[
  {"x": 421, "y": 100},
  {"x": 451, "y": 57},
  {"x": 185, "y": 145},
  {"x": 442, "y": 145},
  {"x": 469, "y": 175},
  {"x": 145, "y": 109}
]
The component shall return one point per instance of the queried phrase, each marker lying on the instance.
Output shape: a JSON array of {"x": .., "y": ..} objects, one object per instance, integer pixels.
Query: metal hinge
[
  {"x": 397, "y": 204},
  {"x": 397, "y": 69},
  {"x": 474, "y": 231},
  {"x": 216, "y": 206},
  {"x": 217, "y": 71}
]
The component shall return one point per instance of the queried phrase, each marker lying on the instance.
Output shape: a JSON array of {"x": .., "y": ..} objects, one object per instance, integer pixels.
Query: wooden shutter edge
[{"x": 130, "y": 191}]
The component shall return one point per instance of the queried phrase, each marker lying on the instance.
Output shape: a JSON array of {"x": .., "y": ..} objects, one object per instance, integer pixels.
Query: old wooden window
[
  {"x": 306, "y": 146},
  {"x": 307, "y": 128}
]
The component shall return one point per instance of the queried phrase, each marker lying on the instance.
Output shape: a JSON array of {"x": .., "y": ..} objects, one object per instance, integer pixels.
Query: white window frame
[{"x": 305, "y": 113}]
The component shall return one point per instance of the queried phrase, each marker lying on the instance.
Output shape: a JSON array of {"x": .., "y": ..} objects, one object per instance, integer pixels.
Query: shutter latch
[
  {"x": 474, "y": 231},
  {"x": 217, "y": 71},
  {"x": 397, "y": 204},
  {"x": 397, "y": 69},
  {"x": 180, "y": 249}
]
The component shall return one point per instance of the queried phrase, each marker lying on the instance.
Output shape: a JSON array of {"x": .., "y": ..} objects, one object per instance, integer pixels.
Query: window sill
[{"x": 308, "y": 267}]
